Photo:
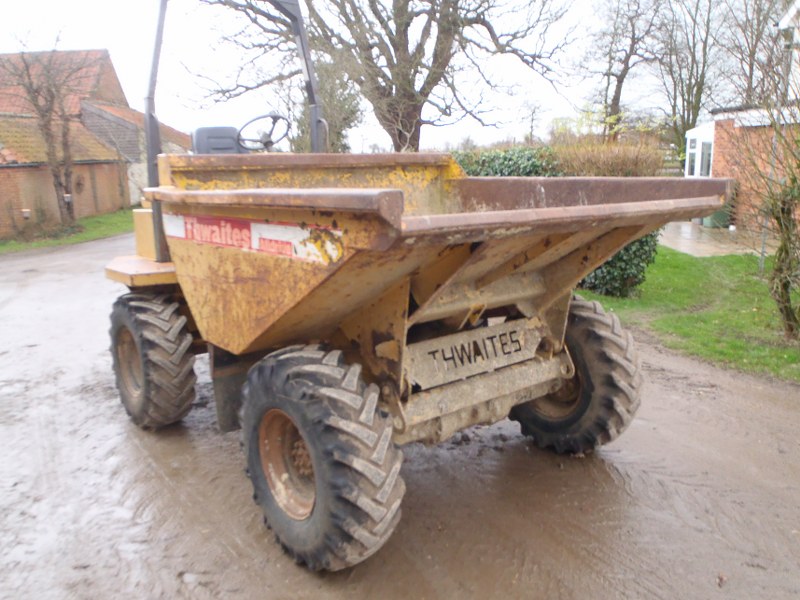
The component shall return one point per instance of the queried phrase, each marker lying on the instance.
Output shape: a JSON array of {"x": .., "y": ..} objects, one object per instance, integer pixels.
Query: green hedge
[
  {"x": 520, "y": 161},
  {"x": 623, "y": 272}
]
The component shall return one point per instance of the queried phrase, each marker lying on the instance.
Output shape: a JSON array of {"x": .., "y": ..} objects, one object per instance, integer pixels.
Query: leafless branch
[{"x": 406, "y": 55}]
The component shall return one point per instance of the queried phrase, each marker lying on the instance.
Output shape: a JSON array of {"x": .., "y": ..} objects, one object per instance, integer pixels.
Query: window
[
  {"x": 690, "y": 160},
  {"x": 705, "y": 159}
]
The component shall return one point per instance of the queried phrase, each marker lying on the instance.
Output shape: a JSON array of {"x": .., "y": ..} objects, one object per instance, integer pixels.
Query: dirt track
[{"x": 699, "y": 499}]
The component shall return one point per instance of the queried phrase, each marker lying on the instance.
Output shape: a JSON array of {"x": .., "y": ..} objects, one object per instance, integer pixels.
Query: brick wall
[
  {"x": 743, "y": 153},
  {"x": 97, "y": 188}
]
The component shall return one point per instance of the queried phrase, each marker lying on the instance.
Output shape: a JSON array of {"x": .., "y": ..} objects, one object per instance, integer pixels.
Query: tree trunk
[
  {"x": 405, "y": 140},
  {"x": 66, "y": 161},
  {"x": 63, "y": 211},
  {"x": 787, "y": 264},
  {"x": 403, "y": 126},
  {"x": 57, "y": 168},
  {"x": 613, "y": 117}
]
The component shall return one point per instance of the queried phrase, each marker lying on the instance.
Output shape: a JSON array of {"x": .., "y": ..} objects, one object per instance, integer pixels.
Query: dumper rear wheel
[
  {"x": 595, "y": 406},
  {"x": 153, "y": 364},
  {"x": 320, "y": 456}
]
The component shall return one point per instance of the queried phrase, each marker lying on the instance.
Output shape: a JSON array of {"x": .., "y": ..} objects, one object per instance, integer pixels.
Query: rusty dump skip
[
  {"x": 376, "y": 253},
  {"x": 303, "y": 241}
]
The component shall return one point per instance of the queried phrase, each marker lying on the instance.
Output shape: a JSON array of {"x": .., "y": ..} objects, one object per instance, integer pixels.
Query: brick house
[
  {"x": 108, "y": 144},
  {"x": 738, "y": 142},
  {"x": 26, "y": 186}
]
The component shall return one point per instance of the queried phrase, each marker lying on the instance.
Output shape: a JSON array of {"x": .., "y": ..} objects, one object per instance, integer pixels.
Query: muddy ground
[{"x": 699, "y": 499}]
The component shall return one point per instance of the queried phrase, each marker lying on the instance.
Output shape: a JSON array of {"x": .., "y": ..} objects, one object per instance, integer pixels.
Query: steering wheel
[{"x": 252, "y": 137}]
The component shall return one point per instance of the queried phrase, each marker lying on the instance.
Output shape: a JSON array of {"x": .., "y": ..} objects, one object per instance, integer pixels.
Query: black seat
[{"x": 216, "y": 140}]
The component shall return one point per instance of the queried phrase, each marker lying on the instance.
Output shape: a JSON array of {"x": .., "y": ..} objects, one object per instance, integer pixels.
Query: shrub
[
  {"x": 622, "y": 273},
  {"x": 592, "y": 158},
  {"x": 625, "y": 271},
  {"x": 519, "y": 161}
]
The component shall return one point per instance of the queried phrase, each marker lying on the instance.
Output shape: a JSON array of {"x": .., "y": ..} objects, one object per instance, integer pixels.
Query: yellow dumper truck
[{"x": 351, "y": 304}]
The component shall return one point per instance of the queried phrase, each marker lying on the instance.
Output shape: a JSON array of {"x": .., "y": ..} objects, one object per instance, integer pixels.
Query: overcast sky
[{"x": 191, "y": 47}]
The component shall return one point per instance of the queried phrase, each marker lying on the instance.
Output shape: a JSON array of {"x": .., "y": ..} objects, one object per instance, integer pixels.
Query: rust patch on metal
[
  {"x": 328, "y": 244},
  {"x": 379, "y": 329}
]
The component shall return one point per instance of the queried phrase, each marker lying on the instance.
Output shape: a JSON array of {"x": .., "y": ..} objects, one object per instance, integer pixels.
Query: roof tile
[
  {"x": 92, "y": 76},
  {"x": 135, "y": 117},
  {"x": 22, "y": 143}
]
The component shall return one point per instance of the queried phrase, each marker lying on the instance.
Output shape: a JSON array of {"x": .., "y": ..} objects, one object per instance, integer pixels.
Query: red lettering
[
  {"x": 279, "y": 247},
  {"x": 220, "y": 232}
]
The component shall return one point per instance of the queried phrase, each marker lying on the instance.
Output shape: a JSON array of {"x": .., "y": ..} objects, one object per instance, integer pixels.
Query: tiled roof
[
  {"x": 168, "y": 134},
  {"x": 94, "y": 83},
  {"x": 92, "y": 76},
  {"x": 21, "y": 143}
]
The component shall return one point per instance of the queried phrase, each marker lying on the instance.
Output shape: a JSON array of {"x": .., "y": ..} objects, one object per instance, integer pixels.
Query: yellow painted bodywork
[
  {"x": 139, "y": 272},
  {"x": 143, "y": 229},
  {"x": 425, "y": 187}
]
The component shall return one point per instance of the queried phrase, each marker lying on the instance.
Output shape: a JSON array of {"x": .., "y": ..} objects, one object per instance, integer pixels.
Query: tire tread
[
  {"x": 168, "y": 363},
  {"x": 357, "y": 442},
  {"x": 616, "y": 392}
]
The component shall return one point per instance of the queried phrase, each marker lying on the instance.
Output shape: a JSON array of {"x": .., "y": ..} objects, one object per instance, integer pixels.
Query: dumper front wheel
[
  {"x": 153, "y": 364},
  {"x": 598, "y": 403},
  {"x": 320, "y": 456}
]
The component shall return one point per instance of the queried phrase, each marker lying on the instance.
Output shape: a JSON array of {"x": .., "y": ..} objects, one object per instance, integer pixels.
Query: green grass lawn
[
  {"x": 717, "y": 308},
  {"x": 87, "y": 229}
]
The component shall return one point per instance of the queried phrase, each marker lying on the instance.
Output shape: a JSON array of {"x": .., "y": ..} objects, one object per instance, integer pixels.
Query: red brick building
[
  {"x": 738, "y": 145},
  {"x": 741, "y": 142},
  {"x": 108, "y": 144},
  {"x": 26, "y": 185}
]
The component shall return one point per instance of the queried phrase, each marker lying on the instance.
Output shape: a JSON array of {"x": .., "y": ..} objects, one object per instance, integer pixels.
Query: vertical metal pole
[
  {"x": 291, "y": 10},
  {"x": 318, "y": 141},
  {"x": 153, "y": 139}
]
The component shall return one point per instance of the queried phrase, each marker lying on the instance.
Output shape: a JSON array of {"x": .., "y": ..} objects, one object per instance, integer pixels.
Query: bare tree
[
  {"x": 688, "y": 57},
  {"x": 625, "y": 41},
  {"x": 406, "y": 55},
  {"x": 769, "y": 172},
  {"x": 44, "y": 82},
  {"x": 764, "y": 156},
  {"x": 750, "y": 44}
]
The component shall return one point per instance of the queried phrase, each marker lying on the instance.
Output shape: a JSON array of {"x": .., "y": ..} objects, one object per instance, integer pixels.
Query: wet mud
[{"x": 700, "y": 498}]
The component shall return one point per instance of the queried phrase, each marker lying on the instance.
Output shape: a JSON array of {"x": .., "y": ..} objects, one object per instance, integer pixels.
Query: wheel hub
[
  {"x": 560, "y": 403},
  {"x": 287, "y": 464},
  {"x": 130, "y": 364},
  {"x": 302, "y": 459}
]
